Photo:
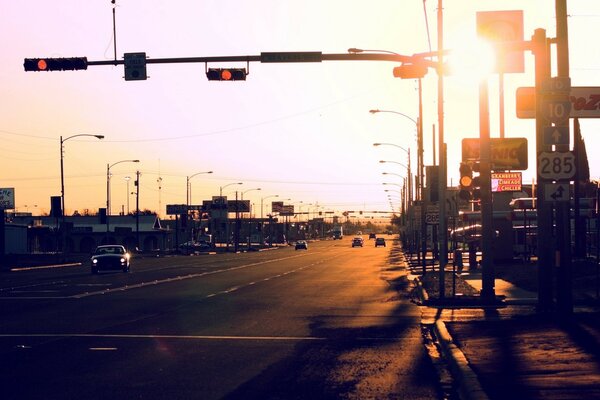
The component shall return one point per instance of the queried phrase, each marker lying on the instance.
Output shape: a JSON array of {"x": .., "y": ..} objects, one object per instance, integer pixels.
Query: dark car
[
  {"x": 110, "y": 257},
  {"x": 357, "y": 241},
  {"x": 372, "y": 236},
  {"x": 379, "y": 242},
  {"x": 301, "y": 245}
]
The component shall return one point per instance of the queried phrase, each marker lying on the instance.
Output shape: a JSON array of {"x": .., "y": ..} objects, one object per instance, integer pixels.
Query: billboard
[
  {"x": 506, "y": 153},
  {"x": 7, "y": 198}
]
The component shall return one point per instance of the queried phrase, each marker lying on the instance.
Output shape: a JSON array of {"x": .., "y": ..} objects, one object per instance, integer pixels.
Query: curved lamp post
[
  {"x": 108, "y": 167},
  {"x": 62, "y": 175},
  {"x": 188, "y": 191},
  {"x": 229, "y": 184}
]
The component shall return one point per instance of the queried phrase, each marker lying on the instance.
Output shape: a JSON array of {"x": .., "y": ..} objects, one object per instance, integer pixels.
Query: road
[{"x": 327, "y": 323}]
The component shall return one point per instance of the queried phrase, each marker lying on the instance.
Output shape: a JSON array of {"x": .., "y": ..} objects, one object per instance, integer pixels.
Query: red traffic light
[
  {"x": 226, "y": 74},
  {"x": 410, "y": 71},
  {"x": 55, "y": 64}
]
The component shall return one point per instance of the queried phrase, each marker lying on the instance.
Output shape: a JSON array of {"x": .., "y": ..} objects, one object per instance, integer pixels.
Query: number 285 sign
[{"x": 556, "y": 166}]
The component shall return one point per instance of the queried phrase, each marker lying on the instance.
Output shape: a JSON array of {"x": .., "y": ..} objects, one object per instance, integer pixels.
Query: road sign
[
  {"x": 556, "y": 166},
  {"x": 556, "y": 135},
  {"x": 135, "y": 66},
  {"x": 556, "y": 192},
  {"x": 559, "y": 84},
  {"x": 585, "y": 102},
  {"x": 556, "y": 108},
  {"x": 291, "y": 57}
]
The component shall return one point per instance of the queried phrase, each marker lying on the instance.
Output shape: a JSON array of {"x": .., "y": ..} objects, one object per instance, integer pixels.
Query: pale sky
[{"x": 300, "y": 131}]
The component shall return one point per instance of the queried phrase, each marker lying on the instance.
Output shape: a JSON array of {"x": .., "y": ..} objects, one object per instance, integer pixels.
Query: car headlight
[
  {"x": 123, "y": 260},
  {"x": 94, "y": 261}
]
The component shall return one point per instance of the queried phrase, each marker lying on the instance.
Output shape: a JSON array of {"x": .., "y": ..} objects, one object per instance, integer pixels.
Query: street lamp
[
  {"x": 108, "y": 167},
  {"x": 261, "y": 203},
  {"x": 188, "y": 191},
  {"x": 127, "y": 178},
  {"x": 229, "y": 184},
  {"x": 246, "y": 191},
  {"x": 62, "y": 176}
]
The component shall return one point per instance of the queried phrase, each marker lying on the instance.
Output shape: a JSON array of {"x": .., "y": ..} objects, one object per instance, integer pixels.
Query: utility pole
[
  {"x": 564, "y": 295},
  {"x": 137, "y": 209},
  {"x": 443, "y": 231},
  {"x": 541, "y": 50}
]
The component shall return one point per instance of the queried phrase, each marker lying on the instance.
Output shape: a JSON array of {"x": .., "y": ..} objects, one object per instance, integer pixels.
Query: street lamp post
[
  {"x": 188, "y": 188},
  {"x": 229, "y": 184},
  {"x": 420, "y": 169},
  {"x": 262, "y": 232},
  {"x": 188, "y": 196},
  {"x": 62, "y": 176},
  {"x": 127, "y": 179},
  {"x": 226, "y": 212},
  {"x": 108, "y": 167}
]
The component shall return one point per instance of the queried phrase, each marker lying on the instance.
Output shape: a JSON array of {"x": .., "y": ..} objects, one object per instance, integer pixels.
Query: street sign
[
  {"x": 585, "y": 102},
  {"x": 556, "y": 108},
  {"x": 556, "y": 192},
  {"x": 556, "y": 166},
  {"x": 432, "y": 216},
  {"x": 135, "y": 66},
  {"x": 291, "y": 57},
  {"x": 559, "y": 84},
  {"x": 176, "y": 209},
  {"x": 556, "y": 135},
  {"x": 507, "y": 181}
]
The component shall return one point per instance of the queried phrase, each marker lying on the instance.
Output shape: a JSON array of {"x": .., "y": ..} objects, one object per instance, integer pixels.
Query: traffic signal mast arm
[{"x": 271, "y": 57}]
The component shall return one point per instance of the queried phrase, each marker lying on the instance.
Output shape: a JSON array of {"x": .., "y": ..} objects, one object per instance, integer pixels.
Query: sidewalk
[{"x": 513, "y": 352}]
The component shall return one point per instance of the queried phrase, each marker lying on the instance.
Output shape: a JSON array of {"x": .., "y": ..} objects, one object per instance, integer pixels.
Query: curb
[{"x": 469, "y": 387}]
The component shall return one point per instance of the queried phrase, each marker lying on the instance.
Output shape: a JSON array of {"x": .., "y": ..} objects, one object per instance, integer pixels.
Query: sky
[{"x": 302, "y": 132}]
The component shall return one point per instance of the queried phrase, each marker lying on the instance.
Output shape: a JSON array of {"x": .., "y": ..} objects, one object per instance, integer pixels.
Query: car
[
  {"x": 301, "y": 245},
  {"x": 379, "y": 242},
  {"x": 192, "y": 246},
  {"x": 372, "y": 236},
  {"x": 110, "y": 257},
  {"x": 357, "y": 241}
]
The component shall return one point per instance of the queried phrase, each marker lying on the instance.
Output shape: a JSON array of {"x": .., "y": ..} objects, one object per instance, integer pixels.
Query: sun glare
[{"x": 473, "y": 61}]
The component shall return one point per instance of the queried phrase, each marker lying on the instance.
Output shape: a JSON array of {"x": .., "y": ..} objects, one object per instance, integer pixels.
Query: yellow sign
[{"x": 506, "y": 153}]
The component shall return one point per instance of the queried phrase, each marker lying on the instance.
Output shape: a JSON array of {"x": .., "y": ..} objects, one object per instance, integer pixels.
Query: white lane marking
[
  {"x": 20, "y": 269},
  {"x": 233, "y": 289},
  {"x": 183, "y": 337},
  {"x": 178, "y": 278}
]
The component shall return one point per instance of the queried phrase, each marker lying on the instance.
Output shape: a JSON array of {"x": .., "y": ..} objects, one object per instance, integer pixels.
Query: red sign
[
  {"x": 507, "y": 181},
  {"x": 585, "y": 102}
]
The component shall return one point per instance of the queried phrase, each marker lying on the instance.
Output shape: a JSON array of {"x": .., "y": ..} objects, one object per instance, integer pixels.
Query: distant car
[
  {"x": 372, "y": 236},
  {"x": 357, "y": 241},
  {"x": 195, "y": 246},
  {"x": 110, "y": 257},
  {"x": 301, "y": 245},
  {"x": 379, "y": 242}
]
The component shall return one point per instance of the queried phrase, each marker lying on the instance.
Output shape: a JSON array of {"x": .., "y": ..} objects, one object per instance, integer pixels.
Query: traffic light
[
  {"x": 55, "y": 64},
  {"x": 226, "y": 74},
  {"x": 476, "y": 184},
  {"x": 465, "y": 181},
  {"x": 410, "y": 71}
]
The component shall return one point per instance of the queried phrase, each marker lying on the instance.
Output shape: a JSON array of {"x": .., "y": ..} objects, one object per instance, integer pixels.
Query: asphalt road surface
[{"x": 332, "y": 322}]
